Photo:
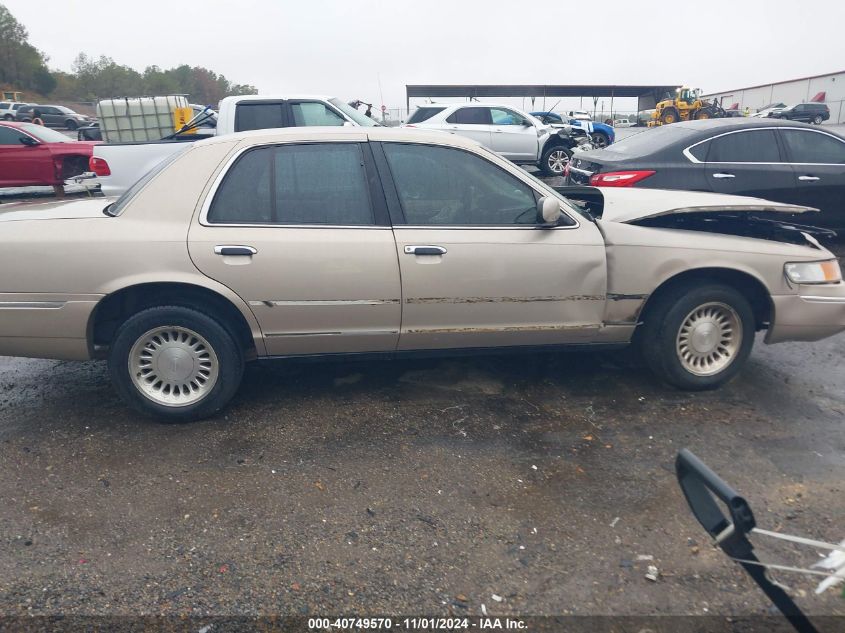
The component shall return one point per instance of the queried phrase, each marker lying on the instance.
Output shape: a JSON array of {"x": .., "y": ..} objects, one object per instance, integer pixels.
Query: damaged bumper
[{"x": 813, "y": 314}]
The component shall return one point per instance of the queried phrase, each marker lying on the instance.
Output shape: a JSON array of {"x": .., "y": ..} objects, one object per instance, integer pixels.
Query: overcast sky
[{"x": 344, "y": 47}]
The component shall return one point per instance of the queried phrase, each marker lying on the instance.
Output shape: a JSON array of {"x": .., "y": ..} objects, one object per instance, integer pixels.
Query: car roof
[
  {"x": 337, "y": 133},
  {"x": 737, "y": 122},
  {"x": 471, "y": 104},
  {"x": 275, "y": 97}
]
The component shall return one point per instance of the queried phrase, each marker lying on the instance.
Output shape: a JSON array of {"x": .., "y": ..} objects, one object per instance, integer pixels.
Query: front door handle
[
  {"x": 809, "y": 178},
  {"x": 425, "y": 250},
  {"x": 723, "y": 175},
  {"x": 234, "y": 249}
]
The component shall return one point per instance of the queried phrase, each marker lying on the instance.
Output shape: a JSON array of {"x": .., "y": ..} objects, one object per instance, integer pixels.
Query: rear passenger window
[
  {"x": 309, "y": 113},
  {"x": 751, "y": 146},
  {"x": 471, "y": 116},
  {"x": 700, "y": 150},
  {"x": 321, "y": 184},
  {"x": 258, "y": 116},
  {"x": 813, "y": 147}
]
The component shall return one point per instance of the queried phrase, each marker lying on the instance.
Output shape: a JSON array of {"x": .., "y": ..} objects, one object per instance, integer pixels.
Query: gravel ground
[{"x": 412, "y": 487}]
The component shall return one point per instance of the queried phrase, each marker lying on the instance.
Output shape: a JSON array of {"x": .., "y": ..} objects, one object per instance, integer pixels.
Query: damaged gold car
[{"x": 339, "y": 241}]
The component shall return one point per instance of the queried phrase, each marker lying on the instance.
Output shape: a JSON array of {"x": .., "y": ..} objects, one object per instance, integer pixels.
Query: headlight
[{"x": 826, "y": 272}]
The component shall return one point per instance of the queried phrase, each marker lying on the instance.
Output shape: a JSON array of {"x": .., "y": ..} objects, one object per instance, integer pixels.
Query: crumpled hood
[
  {"x": 55, "y": 209},
  {"x": 625, "y": 204}
]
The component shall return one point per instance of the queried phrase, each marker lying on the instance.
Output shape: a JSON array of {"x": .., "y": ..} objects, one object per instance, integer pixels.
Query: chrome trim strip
[
  {"x": 32, "y": 305},
  {"x": 359, "y": 333},
  {"x": 822, "y": 299},
  {"x": 481, "y": 227},
  {"x": 693, "y": 159},
  {"x": 583, "y": 172},
  {"x": 270, "y": 303}
]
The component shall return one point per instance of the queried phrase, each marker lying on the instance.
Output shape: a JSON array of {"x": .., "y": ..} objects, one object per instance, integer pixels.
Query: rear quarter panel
[{"x": 77, "y": 262}]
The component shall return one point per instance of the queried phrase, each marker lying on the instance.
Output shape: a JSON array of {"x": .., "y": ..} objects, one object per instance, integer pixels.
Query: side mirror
[
  {"x": 29, "y": 141},
  {"x": 549, "y": 209},
  {"x": 527, "y": 123}
]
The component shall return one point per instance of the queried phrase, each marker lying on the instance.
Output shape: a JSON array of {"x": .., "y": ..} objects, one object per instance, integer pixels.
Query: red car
[{"x": 32, "y": 155}]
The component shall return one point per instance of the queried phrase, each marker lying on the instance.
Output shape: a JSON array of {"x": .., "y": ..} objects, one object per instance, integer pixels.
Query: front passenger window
[
  {"x": 309, "y": 113},
  {"x": 445, "y": 186}
]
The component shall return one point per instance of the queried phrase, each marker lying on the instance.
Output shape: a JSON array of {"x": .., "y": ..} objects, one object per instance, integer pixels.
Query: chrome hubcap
[
  {"x": 558, "y": 160},
  {"x": 599, "y": 141},
  {"x": 709, "y": 339},
  {"x": 173, "y": 366}
]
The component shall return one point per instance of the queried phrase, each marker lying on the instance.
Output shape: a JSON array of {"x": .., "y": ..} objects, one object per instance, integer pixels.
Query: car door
[
  {"x": 746, "y": 163},
  {"x": 51, "y": 117},
  {"x": 301, "y": 233},
  {"x": 513, "y": 136},
  {"x": 22, "y": 164},
  {"x": 817, "y": 160},
  {"x": 477, "y": 269},
  {"x": 473, "y": 122}
]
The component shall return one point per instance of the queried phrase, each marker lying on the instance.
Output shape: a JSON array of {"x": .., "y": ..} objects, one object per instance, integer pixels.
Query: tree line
[{"x": 23, "y": 67}]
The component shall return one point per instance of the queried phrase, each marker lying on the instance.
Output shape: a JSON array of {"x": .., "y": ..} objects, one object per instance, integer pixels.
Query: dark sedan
[{"x": 782, "y": 161}]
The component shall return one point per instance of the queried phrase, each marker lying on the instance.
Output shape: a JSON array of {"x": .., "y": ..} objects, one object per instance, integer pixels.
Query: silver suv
[{"x": 514, "y": 134}]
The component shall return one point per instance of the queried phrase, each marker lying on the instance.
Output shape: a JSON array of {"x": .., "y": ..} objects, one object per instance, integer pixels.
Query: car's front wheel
[
  {"x": 600, "y": 140},
  {"x": 698, "y": 338},
  {"x": 554, "y": 160},
  {"x": 71, "y": 125},
  {"x": 175, "y": 363}
]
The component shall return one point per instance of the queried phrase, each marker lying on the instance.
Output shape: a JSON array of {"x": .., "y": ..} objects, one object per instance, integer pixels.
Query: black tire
[
  {"x": 705, "y": 113},
  {"x": 552, "y": 162},
  {"x": 71, "y": 125},
  {"x": 661, "y": 332},
  {"x": 817, "y": 119},
  {"x": 8, "y": 117},
  {"x": 600, "y": 140},
  {"x": 669, "y": 115},
  {"x": 229, "y": 356}
]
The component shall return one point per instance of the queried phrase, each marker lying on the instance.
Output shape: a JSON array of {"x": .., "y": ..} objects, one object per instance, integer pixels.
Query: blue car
[{"x": 602, "y": 135}]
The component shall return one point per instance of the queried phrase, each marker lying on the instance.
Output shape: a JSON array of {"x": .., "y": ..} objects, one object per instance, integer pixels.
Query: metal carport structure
[{"x": 647, "y": 95}]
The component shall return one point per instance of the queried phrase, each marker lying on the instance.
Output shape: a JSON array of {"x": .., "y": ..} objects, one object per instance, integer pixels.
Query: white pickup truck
[{"x": 117, "y": 166}]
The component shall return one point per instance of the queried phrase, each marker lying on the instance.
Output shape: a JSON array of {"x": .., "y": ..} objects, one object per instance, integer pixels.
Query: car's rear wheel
[
  {"x": 698, "y": 338},
  {"x": 8, "y": 117},
  {"x": 817, "y": 119},
  {"x": 175, "y": 363},
  {"x": 554, "y": 160}
]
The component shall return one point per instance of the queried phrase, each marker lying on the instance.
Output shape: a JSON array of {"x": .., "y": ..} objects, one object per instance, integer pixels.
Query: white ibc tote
[{"x": 127, "y": 119}]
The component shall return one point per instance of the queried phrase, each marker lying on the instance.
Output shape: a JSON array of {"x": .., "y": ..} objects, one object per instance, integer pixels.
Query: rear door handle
[
  {"x": 809, "y": 178},
  {"x": 425, "y": 250},
  {"x": 723, "y": 175},
  {"x": 234, "y": 249}
]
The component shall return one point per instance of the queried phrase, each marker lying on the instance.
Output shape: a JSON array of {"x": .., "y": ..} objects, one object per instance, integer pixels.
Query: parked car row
[
  {"x": 778, "y": 160},
  {"x": 394, "y": 242},
  {"x": 51, "y": 115}
]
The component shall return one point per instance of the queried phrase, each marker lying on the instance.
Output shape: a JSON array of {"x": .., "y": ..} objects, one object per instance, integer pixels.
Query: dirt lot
[{"x": 412, "y": 487}]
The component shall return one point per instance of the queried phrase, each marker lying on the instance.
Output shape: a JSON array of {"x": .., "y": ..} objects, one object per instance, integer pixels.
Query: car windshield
[
  {"x": 45, "y": 134},
  {"x": 649, "y": 140},
  {"x": 352, "y": 113}
]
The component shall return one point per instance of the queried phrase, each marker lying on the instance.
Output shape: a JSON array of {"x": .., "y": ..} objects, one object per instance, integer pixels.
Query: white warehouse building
[{"x": 829, "y": 89}]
